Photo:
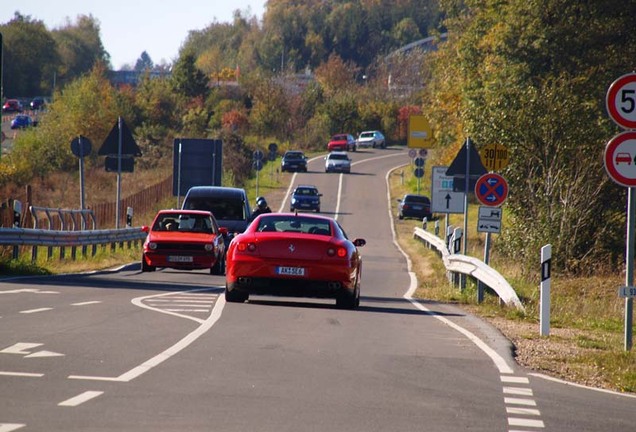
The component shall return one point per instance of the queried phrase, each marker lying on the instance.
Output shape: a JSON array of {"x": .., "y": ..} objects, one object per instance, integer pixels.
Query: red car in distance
[
  {"x": 342, "y": 142},
  {"x": 294, "y": 255},
  {"x": 184, "y": 240}
]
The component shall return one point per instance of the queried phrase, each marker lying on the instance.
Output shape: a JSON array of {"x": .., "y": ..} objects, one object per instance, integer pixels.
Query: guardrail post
[
  {"x": 437, "y": 228},
  {"x": 424, "y": 223}
]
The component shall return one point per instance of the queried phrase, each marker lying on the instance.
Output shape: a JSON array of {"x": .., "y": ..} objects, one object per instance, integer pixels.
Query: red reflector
[
  {"x": 342, "y": 252},
  {"x": 242, "y": 247}
]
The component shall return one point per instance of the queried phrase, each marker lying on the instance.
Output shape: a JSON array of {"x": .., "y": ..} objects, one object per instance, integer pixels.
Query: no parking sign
[{"x": 491, "y": 189}]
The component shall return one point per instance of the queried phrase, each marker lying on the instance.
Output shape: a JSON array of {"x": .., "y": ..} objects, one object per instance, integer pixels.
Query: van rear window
[{"x": 222, "y": 209}]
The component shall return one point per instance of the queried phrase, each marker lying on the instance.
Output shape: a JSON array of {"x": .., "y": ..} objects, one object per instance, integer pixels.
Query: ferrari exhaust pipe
[
  {"x": 334, "y": 285},
  {"x": 244, "y": 281}
]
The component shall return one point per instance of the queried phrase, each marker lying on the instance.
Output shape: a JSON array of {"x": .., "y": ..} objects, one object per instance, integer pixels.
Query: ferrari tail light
[
  {"x": 246, "y": 247},
  {"x": 340, "y": 252}
]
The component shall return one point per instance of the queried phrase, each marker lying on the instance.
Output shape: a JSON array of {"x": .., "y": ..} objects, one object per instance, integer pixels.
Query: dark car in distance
[
  {"x": 37, "y": 103},
  {"x": 414, "y": 206},
  {"x": 12, "y": 105},
  {"x": 293, "y": 160},
  {"x": 22, "y": 121},
  {"x": 305, "y": 197}
]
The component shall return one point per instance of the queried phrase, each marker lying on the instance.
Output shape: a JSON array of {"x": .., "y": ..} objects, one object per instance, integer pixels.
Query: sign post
[{"x": 620, "y": 152}]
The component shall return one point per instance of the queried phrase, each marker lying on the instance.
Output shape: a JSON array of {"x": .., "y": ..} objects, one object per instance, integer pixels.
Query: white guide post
[{"x": 546, "y": 256}]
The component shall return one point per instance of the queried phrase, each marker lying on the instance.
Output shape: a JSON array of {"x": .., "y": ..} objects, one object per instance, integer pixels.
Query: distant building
[{"x": 132, "y": 77}]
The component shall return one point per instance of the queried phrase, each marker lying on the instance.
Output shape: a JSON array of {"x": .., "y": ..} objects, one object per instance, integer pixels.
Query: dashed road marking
[
  {"x": 30, "y": 311},
  {"x": 10, "y": 427},
  {"x": 81, "y": 398},
  {"x": 85, "y": 303}
]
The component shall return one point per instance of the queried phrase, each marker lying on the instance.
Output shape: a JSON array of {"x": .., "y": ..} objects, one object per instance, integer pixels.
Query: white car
[
  {"x": 371, "y": 139},
  {"x": 338, "y": 161}
]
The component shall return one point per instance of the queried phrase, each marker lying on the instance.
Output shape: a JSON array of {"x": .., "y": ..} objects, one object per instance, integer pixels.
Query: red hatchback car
[
  {"x": 295, "y": 255},
  {"x": 184, "y": 240},
  {"x": 342, "y": 142}
]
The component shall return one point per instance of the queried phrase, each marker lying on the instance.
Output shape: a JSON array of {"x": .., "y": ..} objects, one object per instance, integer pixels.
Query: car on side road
[
  {"x": 184, "y": 240},
  {"x": 294, "y": 255},
  {"x": 305, "y": 197},
  {"x": 22, "y": 121},
  {"x": 342, "y": 142},
  {"x": 414, "y": 206},
  {"x": 11, "y": 106},
  {"x": 293, "y": 161},
  {"x": 371, "y": 139},
  {"x": 338, "y": 161}
]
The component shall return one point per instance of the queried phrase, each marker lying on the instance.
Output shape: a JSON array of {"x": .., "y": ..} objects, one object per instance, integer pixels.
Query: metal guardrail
[
  {"x": 18, "y": 237},
  {"x": 458, "y": 263}
]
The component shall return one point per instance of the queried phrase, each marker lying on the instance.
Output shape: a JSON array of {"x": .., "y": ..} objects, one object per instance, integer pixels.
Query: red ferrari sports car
[
  {"x": 294, "y": 255},
  {"x": 185, "y": 240}
]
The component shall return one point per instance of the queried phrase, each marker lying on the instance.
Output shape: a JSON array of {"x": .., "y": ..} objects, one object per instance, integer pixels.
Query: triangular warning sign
[
  {"x": 111, "y": 143},
  {"x": 458, "y": 166}
]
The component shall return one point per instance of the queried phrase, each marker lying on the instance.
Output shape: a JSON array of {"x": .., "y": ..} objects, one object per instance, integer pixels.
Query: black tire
[
  {"x": 317, "y": 209},
  {"x": 347, "y": 300},
  {"x": 145, "y": 267},
  {"x": 219, "y": 267},
  {"x": 235, "y": 296},
  {"x": 400, "y": 216}
]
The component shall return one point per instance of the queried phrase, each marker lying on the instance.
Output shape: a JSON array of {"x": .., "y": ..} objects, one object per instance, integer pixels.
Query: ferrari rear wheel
[
  {"x": 145, "y": 267},
  {"x": 235, "y": 296},
  {"x": 347, "y": 300}
]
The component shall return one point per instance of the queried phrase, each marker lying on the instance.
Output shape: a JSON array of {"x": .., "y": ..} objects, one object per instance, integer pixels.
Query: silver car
[
  {"x": 371, "y": 139},
  {"x": 337, "y": 161}
]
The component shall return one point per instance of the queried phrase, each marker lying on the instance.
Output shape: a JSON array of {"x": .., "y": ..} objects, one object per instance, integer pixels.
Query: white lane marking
[
  {"x": 81, "y": 398},
  {"x": 523, "y": 411},
  {"x": 514, "y": 379},
  {"x": 612, "y": 392},
  {"x": 44, "y": 354},
  {"x": 512, "y": 421},
  {"x": 35, "y": 310},
  {"x": 22, "y": 374},
  {"x": 169, "y": 352},
  {"x": 28, "y": 290},
  {"x": 519, "y": 401},
  {"x": 188, "y": 310},
  {"x": 499, "y": 361},
  {"x": 10, "y": 427},
  {"x": 519, "y": 391},
  {"x": 20, "y": 348},
  {"x": 85, "y": 303},
  {"x": 145, "y": 302}
]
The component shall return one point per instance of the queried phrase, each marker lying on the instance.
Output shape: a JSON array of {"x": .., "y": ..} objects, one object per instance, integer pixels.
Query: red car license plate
[
  {"x": 179, "y": 258},
  {"x": 291, "y": 271}
]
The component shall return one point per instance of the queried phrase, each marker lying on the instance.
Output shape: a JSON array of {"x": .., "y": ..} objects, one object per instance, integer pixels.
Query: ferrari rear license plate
[
  {"x": 291, "y": 271},
  {"x": 179, "y": 258}
]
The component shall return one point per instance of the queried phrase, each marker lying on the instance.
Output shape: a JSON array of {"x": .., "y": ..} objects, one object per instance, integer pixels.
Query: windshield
[
  {"x": 221, "y": 208},
  {"x": 338, "y": 156},
  {"x": 183, "y": 223}
]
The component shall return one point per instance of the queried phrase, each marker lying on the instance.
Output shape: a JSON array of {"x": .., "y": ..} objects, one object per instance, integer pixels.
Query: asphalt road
[{"x": 132, "y": 351}]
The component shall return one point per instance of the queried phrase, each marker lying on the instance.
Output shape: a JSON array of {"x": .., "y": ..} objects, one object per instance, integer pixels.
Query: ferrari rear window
[{"x": 294, "y": 224}]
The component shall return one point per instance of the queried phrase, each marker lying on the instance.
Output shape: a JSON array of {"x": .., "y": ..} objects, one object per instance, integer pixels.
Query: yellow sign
[
  {"x": 420, "y": 134},
  {"x": 494, "y": 157}
]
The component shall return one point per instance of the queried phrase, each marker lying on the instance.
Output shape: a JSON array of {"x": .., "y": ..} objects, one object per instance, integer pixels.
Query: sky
[{"x": 130, "y": 27}]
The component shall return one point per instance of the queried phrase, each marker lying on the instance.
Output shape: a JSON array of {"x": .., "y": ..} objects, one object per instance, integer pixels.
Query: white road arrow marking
[
  {"x": 9, "y": 427},
  {"x": 25, "y": 349},
  {"x": 20, "y": 348}
]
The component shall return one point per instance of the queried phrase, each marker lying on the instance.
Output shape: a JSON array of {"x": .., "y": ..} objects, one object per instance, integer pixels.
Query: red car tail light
[
  {"x": 340, "y": 252},
  {"x": 246, "y": 247}
]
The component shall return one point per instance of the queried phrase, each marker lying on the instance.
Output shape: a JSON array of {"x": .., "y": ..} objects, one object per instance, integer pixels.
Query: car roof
[
  {"x": 307, "y": 187},
  {"x": 188, "y": 212},
  {"x": 215, "y": 191}
]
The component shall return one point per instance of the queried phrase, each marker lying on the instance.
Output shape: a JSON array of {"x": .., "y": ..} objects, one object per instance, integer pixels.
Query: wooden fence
[{"x": 105, "y": 214}]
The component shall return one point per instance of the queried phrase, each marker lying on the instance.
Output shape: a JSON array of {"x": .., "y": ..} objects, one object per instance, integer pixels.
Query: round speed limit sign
[{"x": 621, "y": 101}]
